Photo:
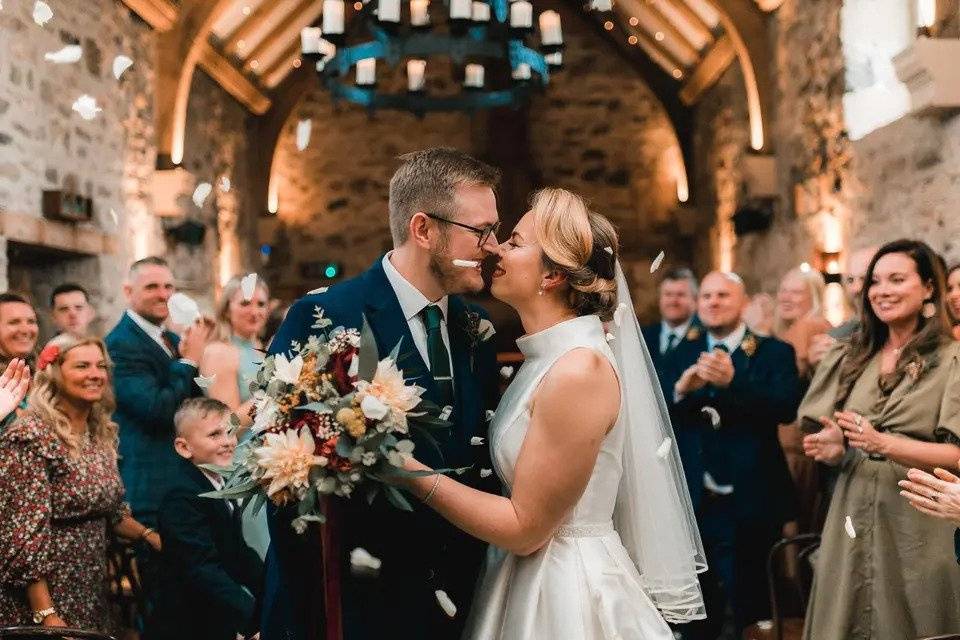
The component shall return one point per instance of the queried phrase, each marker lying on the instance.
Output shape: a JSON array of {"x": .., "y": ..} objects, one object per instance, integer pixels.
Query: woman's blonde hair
[
  {"x": 816, "y": 286},
  {"x": 224, "y": 331},
  {"x": 46, "y": 394},
  {"x": 582, "y": 245}
]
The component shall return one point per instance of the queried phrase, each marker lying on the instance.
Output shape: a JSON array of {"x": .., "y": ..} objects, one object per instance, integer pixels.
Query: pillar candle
[
  {"x": 554, "y": 59},
  {"x": 333, "y": 17},
  {"x": 366, "y": 71},
  {"x": 461, "y": 9},
  {"x": 521, "y": 15},
  {"x": 416, "y": 74},
  {"x": 601, "y": 5},
  {"x": 474, "y": 76},
  {"x": 550, "y": 32},
  {"x": 481, "y": 12},
  {"x": 521, "y": 71},
  {"x": 419, "y": 16},
  {"x": 388, "y": 11},
  {"x": 310, "y": 38}
]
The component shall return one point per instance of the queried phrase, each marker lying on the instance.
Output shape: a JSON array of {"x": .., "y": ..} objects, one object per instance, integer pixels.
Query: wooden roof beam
[
  {"x": 278, "y": 33},
  {"x": 670, "y": 29},
  {"x": 253, "y": 22},
  {"x": 693, "y": 18},
  {"x": 720, "y": 56}
]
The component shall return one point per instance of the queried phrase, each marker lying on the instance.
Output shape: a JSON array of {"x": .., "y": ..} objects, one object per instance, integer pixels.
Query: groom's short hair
[{"x": 427, "y": 181}]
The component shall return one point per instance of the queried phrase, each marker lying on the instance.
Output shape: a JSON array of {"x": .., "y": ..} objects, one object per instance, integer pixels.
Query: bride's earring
[
  {"x": 928, "y": 310},
  {"x": 540, "y": 292}
]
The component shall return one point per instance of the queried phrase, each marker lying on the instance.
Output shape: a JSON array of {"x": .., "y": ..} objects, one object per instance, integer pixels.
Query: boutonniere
[
  {"x": 749, "y": 345},
  {"x": 477, "y": 330},
  {"x": 914, "y": 368},
  {"x": 693, "y": 333}
]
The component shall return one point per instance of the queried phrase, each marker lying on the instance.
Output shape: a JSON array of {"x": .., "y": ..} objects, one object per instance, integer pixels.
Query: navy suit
[
  {"x": 209, "y": 577},
  {"x": 149, "y": 386},
  {"x": 743, "y": 452},
  {"x": 420, "y": 551}
]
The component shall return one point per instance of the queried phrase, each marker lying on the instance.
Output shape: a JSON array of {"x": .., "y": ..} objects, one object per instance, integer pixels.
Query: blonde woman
[{"x": 59, "y": 489}]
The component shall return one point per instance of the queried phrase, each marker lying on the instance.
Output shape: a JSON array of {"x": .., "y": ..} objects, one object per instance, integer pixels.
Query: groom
[{"x": 442, "y": 207}]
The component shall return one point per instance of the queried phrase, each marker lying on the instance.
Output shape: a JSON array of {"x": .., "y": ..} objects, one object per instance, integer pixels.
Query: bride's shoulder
[{"x": 581, "y": 370}]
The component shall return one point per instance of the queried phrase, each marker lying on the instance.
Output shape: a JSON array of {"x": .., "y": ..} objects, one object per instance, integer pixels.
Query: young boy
[{"x": 209, "y": 577}]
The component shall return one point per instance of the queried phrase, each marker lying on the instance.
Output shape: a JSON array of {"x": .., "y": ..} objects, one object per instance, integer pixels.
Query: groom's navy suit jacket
[{"x": 420, "y": 551}]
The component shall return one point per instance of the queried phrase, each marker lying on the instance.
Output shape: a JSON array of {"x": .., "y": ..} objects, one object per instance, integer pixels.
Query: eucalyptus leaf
[
  {"x": 217, "y": 469},
  {"x": 233, "y": 492},
  {"x": 367, "y": 367},
  {"x": 396, "y": 498},
  {"x": 372, "y": 493},
  {"x": 396, "y": 351},
  {"x": 316, "y": 407},
  {"x": 259, "y": 499}
]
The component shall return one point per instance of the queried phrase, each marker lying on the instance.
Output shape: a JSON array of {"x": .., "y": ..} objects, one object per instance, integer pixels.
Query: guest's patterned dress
[{"x": 54, "y": 513}]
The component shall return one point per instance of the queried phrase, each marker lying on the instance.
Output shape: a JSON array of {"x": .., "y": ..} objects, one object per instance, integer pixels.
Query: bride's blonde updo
[{"x": 582, "y": 245}]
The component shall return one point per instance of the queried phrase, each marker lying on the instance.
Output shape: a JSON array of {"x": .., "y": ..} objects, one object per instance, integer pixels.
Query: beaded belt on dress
[{"x": 594, "y": 530}]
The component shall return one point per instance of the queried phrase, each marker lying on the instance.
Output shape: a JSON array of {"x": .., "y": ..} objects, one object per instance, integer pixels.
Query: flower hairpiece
[{"x": 47, "y": 356}]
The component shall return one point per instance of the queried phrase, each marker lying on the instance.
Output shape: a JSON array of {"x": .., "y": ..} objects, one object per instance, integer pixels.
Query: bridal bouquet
[{"x": 331, "y": 420}]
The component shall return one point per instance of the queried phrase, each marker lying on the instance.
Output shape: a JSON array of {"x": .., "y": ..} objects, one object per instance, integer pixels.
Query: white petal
[
  {"x": 87, "y": 107},
  {"x": 490, "y": 414},
  {"x": 373, "y": 408},
  {"x": 303, "y": 134},
  {"x": 120, "y": 65},
  {"x": 205, "y": 382},
  {"x": 714, "y": 416},
  {"x": 485, "y": 473},
  {"x": 656, "y": 262},
  {"x": 67, "y": 55},
  {"x": 664, "y": 449},
  {"x": 115, "y": 218},
  {"x": 608, "y": 250},
  {"x": 317, "y": 290},
  {"x": 446, "y": 603},
  {"x": 183, "y": 309},
  {"x": 224, "y": 184},
  {"x": 248, "y": 286},
  {"x": 476, "y": 441},
  {"x": 620, "y": 313},
  {"x": 445, "y": 412},
  {"x": 485, "y": 329},
  {"x": 848, "y": 526},
  {"x": 201, "y": 192},
  {"x": 360, "y": 558},
  {"x": 610, "y": 337},
  {"x": 506, "y": 372},
  {"x": 42, "y": 13},
  {"x": 354, "y": 369},
  {"x": 466, "y": 264}
]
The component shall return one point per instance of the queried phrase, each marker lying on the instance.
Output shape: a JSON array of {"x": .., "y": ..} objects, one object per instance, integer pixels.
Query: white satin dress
[{"x": 582, "y": 584}]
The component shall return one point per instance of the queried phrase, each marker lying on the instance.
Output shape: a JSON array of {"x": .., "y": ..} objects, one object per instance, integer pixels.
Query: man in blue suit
[
  {"x": 442, "y": 208},
  {"x": 732, "y": 388},
  {"x": 153, "y": 374},
  {"x": 677, "y": 301}
]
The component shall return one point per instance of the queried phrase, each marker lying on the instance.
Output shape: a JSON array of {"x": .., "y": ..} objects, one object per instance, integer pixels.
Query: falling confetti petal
[
  {"x": 664, "y": 449},
  {"x": 360, "y": 558},
  {"x": 476, "y": 441},
  {"x": 446, "y": 603},
  {"x": 608, "y": 250},
  {"x": 42, "y": 13},
  {"x": 303, "y": 134},
  {"x": 205, "y": 382},
  {"x": 490, "y": 414},
  {"x": 354, "y": 369},
  {"x": 115, "y": 218},
  {"x": 713, "y": 415},
  {"x": 248, "y": 286},
  {"x": 224, "y": 184},
  {"x": 611, "y": 337},
  {"x": 485, "y": 473},
  {"x": 201, "y": 192},
  {"x": 87, "y": 107},
  {"x": 317, "y": 290},
  {"x": 656, "y": 262},
  {"x": 466, "y": 264},
  {"x": 120, "y": 65},
  {"x": 619, "y": 313},
  {"x": 183, "y": 309},
  {"x": 506, "y": 372},
  {"x": 68, "y": 55},
  {"x": 445, "y": 412},
  {"x": 848, "y": 525}
]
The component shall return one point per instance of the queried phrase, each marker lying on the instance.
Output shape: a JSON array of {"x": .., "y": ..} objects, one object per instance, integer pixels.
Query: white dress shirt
[
  {"x": 412, "y": 302},
  {"x": 154, "y": 331},
  {"x": 680, "y": 331},
  {"x": 732, "y": 343}
]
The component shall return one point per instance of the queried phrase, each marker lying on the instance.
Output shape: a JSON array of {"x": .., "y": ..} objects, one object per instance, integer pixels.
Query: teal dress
[{"x": 255, "y": 530}]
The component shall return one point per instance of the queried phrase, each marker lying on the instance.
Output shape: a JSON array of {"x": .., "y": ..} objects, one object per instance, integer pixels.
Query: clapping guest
[
  {"x": 59, "y": 490},
  {"x": 953, "y": 298},
  {"x": 887, "y": 400},
  {"x": 72, "y": 312},
  {"x": 936, "y": 495},
  {"x": 18, "y": 328},
  {"x": 14, "y": 383},
  {"x": 677, "y": 302},
  {"x": 232, "y": 360},
  {"x": 759, "y": 314}
]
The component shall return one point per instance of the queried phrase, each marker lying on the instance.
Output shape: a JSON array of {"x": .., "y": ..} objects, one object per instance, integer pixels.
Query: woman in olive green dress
[{"x": 888, "y": 400}]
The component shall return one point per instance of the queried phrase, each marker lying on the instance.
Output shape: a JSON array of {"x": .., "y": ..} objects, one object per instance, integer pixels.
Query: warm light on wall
[
  {"x": 834, "y": 303},
  {"x": 831, "y": 233},
  {"x": 273, "y": 197},
  {"x": 926, "y": 13},
  {"x": 227, "y": 258},
  {"x": 683, "y": 186}
]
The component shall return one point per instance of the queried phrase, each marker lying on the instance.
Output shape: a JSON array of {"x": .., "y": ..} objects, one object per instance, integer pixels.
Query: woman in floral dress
[{"x": 59, "y": 489}]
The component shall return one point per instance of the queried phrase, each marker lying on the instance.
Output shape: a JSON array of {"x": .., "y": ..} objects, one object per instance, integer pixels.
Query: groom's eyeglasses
[{"x": 484, "y": 233}]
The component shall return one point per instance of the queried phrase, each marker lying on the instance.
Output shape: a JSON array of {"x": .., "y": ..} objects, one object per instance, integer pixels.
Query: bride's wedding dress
[{"x": 582, "y": 584}]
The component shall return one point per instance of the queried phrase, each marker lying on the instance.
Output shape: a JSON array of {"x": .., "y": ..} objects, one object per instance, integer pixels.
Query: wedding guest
[
  {"x": 72, "y": 312},
  {"x": 18, "y": 328},
  {"x": 759, "y": 314},
  {"x": 953, "y": 298},
  {"x": 204, "y": 559},
  {"x": 887, "y": 400},
  {"x": 154, "y": 373},
  {"x": 232, "y": 360},
  {"x": 936, "y": 495},
  {"x": 59, "y": 490},
  {"x": 14, "y": 383},
  {"x": 677, "y": 302},
  {"x": 732, "y": 388}
]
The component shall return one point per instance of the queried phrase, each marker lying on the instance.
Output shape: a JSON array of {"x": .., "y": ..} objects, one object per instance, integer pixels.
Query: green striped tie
[{"x": 437, "y": 353}]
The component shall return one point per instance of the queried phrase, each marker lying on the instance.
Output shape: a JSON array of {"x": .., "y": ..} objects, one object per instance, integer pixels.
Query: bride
[{"x": 595, "y": 537}]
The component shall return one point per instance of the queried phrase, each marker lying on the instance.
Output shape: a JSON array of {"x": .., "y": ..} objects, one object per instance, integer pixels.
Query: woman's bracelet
[
  {"x": 146, "y": 531},
  {"x": 433, "y": 490}
]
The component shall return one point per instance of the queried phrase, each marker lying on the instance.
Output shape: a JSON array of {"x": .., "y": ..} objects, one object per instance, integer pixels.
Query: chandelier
[{"x": 486, "y": 42}]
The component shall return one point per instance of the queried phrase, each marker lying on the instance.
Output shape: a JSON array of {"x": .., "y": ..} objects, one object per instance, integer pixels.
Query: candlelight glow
[
  {"x": 926, "y": 13},
  {"x": 834, "y": 303},
  {"x": 832, "y": 233}
]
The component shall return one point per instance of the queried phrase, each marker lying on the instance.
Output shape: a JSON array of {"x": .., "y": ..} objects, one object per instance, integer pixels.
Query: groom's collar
[{"x": 411, "y": 300}]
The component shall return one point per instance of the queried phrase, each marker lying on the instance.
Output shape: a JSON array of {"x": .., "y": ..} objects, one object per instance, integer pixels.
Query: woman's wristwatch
[{"x": 43, "y": 614}]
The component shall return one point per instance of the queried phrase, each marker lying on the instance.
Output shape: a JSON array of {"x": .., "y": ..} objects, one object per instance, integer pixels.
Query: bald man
[{"x": 732, "y": 388}]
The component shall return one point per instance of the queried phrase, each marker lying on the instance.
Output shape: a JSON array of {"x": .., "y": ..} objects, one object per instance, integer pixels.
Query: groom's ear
[{"x": 419, "y": 229}]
